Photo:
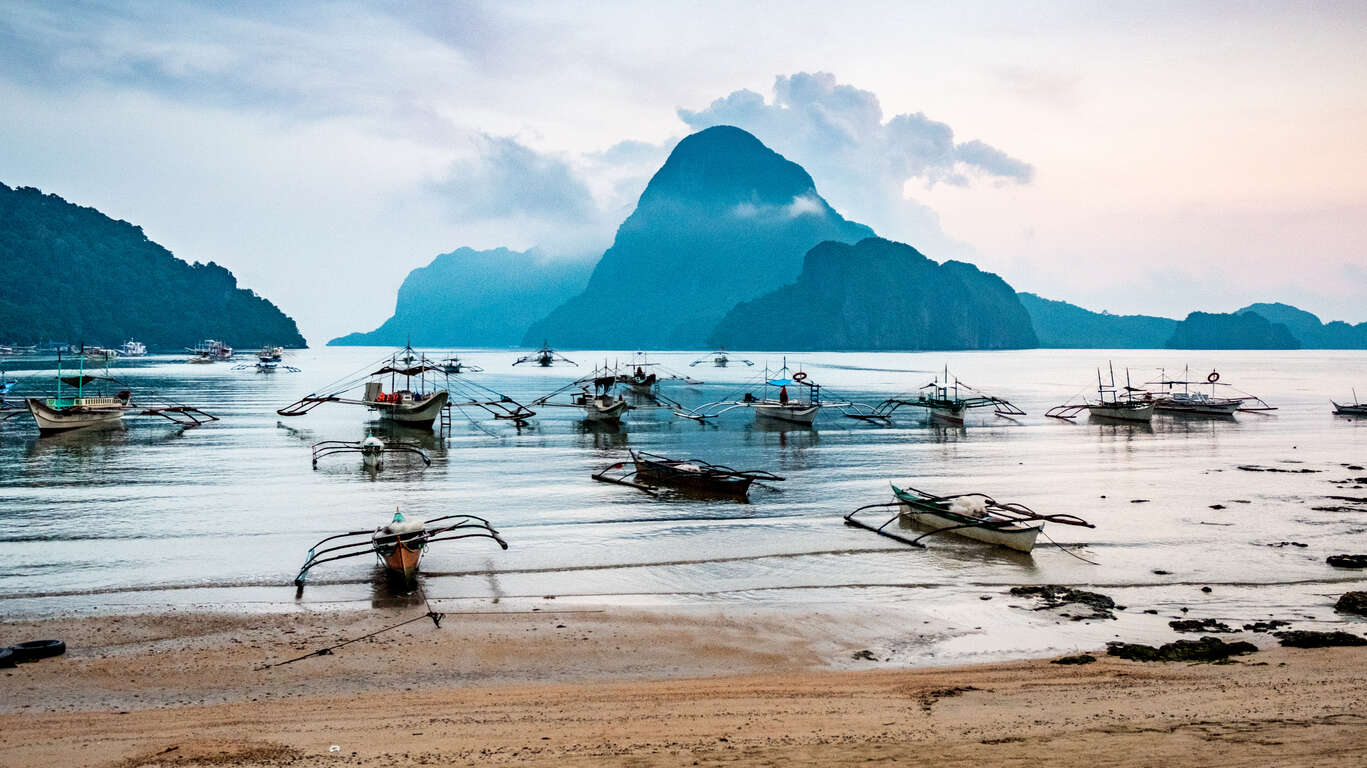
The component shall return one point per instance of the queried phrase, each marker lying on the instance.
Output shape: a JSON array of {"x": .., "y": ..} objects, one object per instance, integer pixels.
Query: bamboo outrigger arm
[
  {"x": 1067, "y": 412},
  {"x": 184, "y": 415},
  {"x": 333, "y": 447}
]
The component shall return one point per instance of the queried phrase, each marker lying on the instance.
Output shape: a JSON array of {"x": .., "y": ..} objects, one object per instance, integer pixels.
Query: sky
[{"x": 1146, "y": 157}]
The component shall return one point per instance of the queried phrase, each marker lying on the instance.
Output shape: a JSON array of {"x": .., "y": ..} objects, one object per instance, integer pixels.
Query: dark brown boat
[{"x": 694, "y": 475}]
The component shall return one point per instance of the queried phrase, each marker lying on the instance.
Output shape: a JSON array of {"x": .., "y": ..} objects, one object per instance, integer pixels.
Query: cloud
[
  {"x": 862, "y": 163},
  {"x": 508, "y": 179}
]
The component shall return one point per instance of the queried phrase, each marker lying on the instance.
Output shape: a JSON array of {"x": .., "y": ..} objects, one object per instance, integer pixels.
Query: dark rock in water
[
  {"x": 1081, "y": 658},
  {"x": 878, "y": 294},
  {"x": 1139, "y": 501},
  {"x": 1256, "y": 468},
  {"x": 1207, "y": 590},
  {"x": 1205, "y": 649},
  {"x": 864, "y": 655},
  {"x": 1217, "y": 506},
  {"x": 1266, "y": 626},
  {"x": 1054, "y": 596},
  {"x": 1301, "y": 638},
  {"x": 1151, "y": 611},
  {"x": 1248, "y": 330},
  {"x": 1160, "y": 572},
  {"x": 1200, "y": 625},
  {"x": 1353, "y": 467},
  {"x": 1347, "y": 561},
  {"x": 1288, "y": 544},
  {"x": 724, "y": 220},
  {"x": 1352, "y": 602},
  {"x": 1068, "y": 326}
]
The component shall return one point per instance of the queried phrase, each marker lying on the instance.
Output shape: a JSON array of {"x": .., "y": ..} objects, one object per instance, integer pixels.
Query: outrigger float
[
  {"x": 944, "y": 402},
  {"x": 974, "y": 516},
  {"x": 544, "y": 357},
  {"x": 693, "y": 475},
  {"x": 398, "y": 545},
  {"x": 372, "y": 450},
  {"x": 419, "y": 391},
  {"x": 1110, "y": 404},
  {"x": 63, "y": 414},
  {"x": 1167, "y": 398},
  {"x": 776, "y": 404}
]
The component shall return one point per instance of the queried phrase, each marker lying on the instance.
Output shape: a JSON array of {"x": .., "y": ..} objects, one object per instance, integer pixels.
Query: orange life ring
[
  {"x": 1213, "y": 377},
  {"x": 800, "y": 376}
]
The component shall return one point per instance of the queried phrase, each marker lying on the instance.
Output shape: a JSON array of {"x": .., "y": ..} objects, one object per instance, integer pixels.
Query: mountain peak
[{"x": 727, "y": 165}]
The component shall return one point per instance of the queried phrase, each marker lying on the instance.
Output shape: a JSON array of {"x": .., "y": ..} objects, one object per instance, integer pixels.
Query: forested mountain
[
  {"x": 1237, "y": 330},
  {"x": 72, "y": 274},
  {"x": 1062, "y": 325}
]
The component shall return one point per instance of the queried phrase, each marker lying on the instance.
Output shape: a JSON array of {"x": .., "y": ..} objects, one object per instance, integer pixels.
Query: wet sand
[{"x": 637, "y": 687}]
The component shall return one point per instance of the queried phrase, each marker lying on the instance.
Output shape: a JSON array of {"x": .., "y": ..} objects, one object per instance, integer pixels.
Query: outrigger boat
[
  {"x": 1109, "y": 404},
  {"x": 544, "y": 357},
  {"x": 944, "y": 402},
  {"x": 267, "y": 361},
  {"x": 63, "y": 414},
  {"x": 693, "y": 475},
  {"x": 646, "y": 377},
  {"x": 213, "y": 349},
  {"x": 1186, "y": 402},
  {"x": 372, "y": 450},
  {"x": 780, "y": 406},
  {"x": 270, "y": 354},
  {"x": 596, "y": 395},
  {"x": 453, "y": 364},
  {"x": 398, "y": 545},
  {"x": 719, "y": 359},
  {"x": 132, "y": 348},
  {"x": 974, "y": 516},
  {"x": 419, "y": 391},
  {"x": 1355, "y": 408}
]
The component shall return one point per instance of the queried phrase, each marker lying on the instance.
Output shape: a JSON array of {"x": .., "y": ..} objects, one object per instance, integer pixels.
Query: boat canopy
[
  {"x": 81, "y": 381},
  {"x": 416, "y": 370}
]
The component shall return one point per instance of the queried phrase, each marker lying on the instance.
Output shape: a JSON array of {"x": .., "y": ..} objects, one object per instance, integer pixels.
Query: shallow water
[{"x": 150, "y": 515}]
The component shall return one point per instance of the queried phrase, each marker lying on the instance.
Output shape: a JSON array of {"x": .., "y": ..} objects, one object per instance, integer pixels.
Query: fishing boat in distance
[
  {"x": 270, "y": 354},
  {"x": 718, "y": 358},
  {"x": 453, "y": 364},
  {"x": 98, "y": 354},
  {"x": 946, "y": 403},
  {"x": 398, "y": 545},
  {"x": 83, "y": 409},
  {"x": 1355, "y": 408},
  {"x": 372, "y": 450},
  {"x": 776, "y": 403},
  {"x": 596, "y": 395},
  {"x": 544, "y": 357},
  {"x": 210, "y": 351},
  {"x": 694, "y": 475},
  {"x": 419, "y": 391},
  {"x": 1167, "y": 399},
  {"x": 975, "y": 516},
  {"x": 1111, "y": 403},
  {"x": 132, "y": 348},
  {"x": 268, "y": 360}
]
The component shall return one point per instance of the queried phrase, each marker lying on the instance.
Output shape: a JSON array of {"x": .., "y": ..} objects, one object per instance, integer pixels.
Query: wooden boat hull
[
  {"x": 595, "y": 411},
  {"x": 656, "y": 473},
  {"x": 53, "y": 420},
  {"x": 414, "y": 414},
  {"x": 1140, "y": 413},
  {"x": 1018, "y": 536},
  {"x": 1197, "y": 406},
  {"x": 947, "y": 415},
  {"x": 790, "y": 414},
  {"x": 402, "y": 562},
  {"x": 1356, "y": 409}
]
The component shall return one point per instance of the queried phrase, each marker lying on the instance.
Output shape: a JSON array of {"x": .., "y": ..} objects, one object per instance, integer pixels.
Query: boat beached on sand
[
  {"x": 398, "y": 545},
  {"x": 974, "y": 516}
]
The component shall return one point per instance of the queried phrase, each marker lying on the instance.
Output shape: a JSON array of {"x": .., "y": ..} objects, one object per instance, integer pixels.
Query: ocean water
[{"x": 150, "y": 515}]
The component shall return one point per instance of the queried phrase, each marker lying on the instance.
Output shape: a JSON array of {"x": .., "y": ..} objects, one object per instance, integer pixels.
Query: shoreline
[{"x": 571, "y": 686}]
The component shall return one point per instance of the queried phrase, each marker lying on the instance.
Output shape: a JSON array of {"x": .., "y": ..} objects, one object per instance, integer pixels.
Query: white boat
[
  {"x": 718, "y": 358},
  {"x": 596, "y": 395},
  {"x": 793, "y": 413},
  {"x": 62, "y": 414},
  {"x": 1167, "y": 398},
  {"x": 213, "y": 349},
  {"x": 1111, "y": 402},
  {"x": 973, "y": 516},
  {"x": 99, "y": 354},
  {"x": 603, "y": 407},
  {"x": 270, "y": 354},
  {"x": 132, "y": 348},
  {"x": 404, "y": 406},
  {"x": 777, "y": 403},
  {"x": 945, "y": 403}
]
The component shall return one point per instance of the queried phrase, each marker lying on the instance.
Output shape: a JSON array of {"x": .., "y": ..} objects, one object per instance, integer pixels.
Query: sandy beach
[{"x": 637, "y": 687}]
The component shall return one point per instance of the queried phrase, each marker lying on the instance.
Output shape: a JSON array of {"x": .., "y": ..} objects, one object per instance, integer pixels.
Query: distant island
[
  {"x": 731, "y": 244},
  {"x": 72, "y": 274},
  {"x": 880, "y": 295},
  {"x": 470, "y": 298}
]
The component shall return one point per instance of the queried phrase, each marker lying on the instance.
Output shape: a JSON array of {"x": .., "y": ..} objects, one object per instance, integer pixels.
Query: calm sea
[{"x": 151, "y": 516}]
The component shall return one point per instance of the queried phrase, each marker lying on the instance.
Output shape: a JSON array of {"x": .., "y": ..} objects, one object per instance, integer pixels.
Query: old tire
[{"x": 37, "y": 649}]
